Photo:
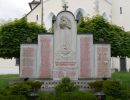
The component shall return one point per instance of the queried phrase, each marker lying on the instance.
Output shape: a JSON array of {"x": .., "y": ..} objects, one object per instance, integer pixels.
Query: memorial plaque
[
  {"x": 103, "y": 60},
  {"x": 28, "y": 61},
  {"x": 86, "y": 56},
  {"x": 46, "y": 56}
]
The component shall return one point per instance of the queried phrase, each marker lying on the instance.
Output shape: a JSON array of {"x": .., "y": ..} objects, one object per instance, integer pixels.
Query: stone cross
[{"x": 64, "y": 5}]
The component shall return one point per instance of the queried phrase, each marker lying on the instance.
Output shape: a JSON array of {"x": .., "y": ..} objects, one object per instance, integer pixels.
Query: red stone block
[
  {"x": 27, "y": 62},
  {"x": 85, "y": 57},
  {"x": 45, "y": 70},
  {"x": 102, "y": 62}
]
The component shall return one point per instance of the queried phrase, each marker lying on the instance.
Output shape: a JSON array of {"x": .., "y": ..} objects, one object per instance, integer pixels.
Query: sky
[{"x": 11, "y": 9}]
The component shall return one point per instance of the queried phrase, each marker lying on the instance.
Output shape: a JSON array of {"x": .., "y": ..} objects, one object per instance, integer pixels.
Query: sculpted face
[{"x": 65, "y": 23}]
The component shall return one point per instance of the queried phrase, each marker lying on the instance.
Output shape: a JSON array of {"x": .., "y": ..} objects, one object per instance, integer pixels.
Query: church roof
[{"x": 34, "y": 2}]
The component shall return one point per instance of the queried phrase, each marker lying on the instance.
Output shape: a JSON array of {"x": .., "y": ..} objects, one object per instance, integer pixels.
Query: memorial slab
[
  {"x": 28, "y": 61},
  {"x": 85, "y": 43},
  {"x": 102, "y": 61},
  {"x": 45, "y": 56}
]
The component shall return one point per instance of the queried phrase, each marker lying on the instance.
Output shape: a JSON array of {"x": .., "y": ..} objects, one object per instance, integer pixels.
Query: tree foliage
[
  {"x": 102, "y": 29},
  {"x": 13, "y": 33}
]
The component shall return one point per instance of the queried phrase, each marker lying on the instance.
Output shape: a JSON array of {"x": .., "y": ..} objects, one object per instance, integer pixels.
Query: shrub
[
  {"x": 24, "y": 88},
  {"x": 96, "y": 85},
  {"x": 4, "y": 92},
  {"x": 116, "y": 90},
  {"x": 12, "y": 97},
  {"x": 20, "y": 89},
  {"x": 90, "y": 96},
  {"x": 35, "y": 85},
  {"x": 68, "y": 96},
  {"x": 66, "y": 85},
  {"x": 109, "y": 98},
  {"x": 46, "y": 96},
  {"x": 77, "y": 96},
  {"x": 112, "y": 88}
]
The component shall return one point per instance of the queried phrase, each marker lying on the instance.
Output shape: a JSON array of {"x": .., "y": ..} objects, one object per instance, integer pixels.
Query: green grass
[
  {"x": 124, "y": 77},
  {"x": 4, "y": 79}
]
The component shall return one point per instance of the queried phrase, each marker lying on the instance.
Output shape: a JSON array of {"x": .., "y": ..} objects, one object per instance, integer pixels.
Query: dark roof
[{"x": 33, "y": 2}]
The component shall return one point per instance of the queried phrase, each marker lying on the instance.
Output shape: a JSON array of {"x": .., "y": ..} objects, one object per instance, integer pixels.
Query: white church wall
[
  {"x": 105, "y": 9},
  {"x": 8, "y": 66},
  {"x": 50, "y": 6},
  {"x": 125, "y": 16},
  {"x": 86, "y": 9},
  {"x": 121, "y": 14},
  {"x": 32, "y": 17},
  {"x": 116, "y": 12}
]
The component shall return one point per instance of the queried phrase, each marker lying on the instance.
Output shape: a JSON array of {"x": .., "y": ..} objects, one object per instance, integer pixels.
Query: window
[
  {"x": 53, "y": 19},
  {"x": 121, "y": 10},
  {"x": 37, "y": 17},
  {"x": 79, "y": 15}
]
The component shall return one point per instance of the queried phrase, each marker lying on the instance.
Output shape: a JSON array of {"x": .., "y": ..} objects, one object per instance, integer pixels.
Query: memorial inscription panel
[
  {"x": 103, "y": 61},
  {"x": 86, "y": 56},
  {"x": 28, "y": 61},
  {"x": 46, "y": 56}
]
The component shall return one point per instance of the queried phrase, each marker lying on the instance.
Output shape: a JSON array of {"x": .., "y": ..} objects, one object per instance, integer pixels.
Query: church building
[{"x": 114, "y": 11}]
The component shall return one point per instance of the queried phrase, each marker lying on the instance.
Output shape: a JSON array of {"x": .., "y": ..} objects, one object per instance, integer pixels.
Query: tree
[
  {"x": 16, "y": 32},
  {"x": 102, "y": 29}
]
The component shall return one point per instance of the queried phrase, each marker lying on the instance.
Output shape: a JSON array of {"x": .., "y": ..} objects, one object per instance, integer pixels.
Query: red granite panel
[
  {"x": 102, "y": 63},
  {"x": 27, "y": 72},
  {"x": 85, "y": 57},
  {"x": 27, "y": 62},
  {"x": 45, "y": 70},
  {"x": 59, "y": 74},
  {"x": 71, "y": 74}
]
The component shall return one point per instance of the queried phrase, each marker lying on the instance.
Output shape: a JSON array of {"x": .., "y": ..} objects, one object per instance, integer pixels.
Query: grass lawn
[
  {"x": 4, "y": 79},
  {"x": 124, "y": 77}
]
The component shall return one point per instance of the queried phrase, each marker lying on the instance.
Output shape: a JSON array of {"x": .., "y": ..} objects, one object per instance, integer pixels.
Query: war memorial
[{"x": 65, "y": 53}]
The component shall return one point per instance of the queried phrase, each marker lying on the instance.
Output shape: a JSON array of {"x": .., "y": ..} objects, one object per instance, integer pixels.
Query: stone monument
[{"x": 65, "y": 53}]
